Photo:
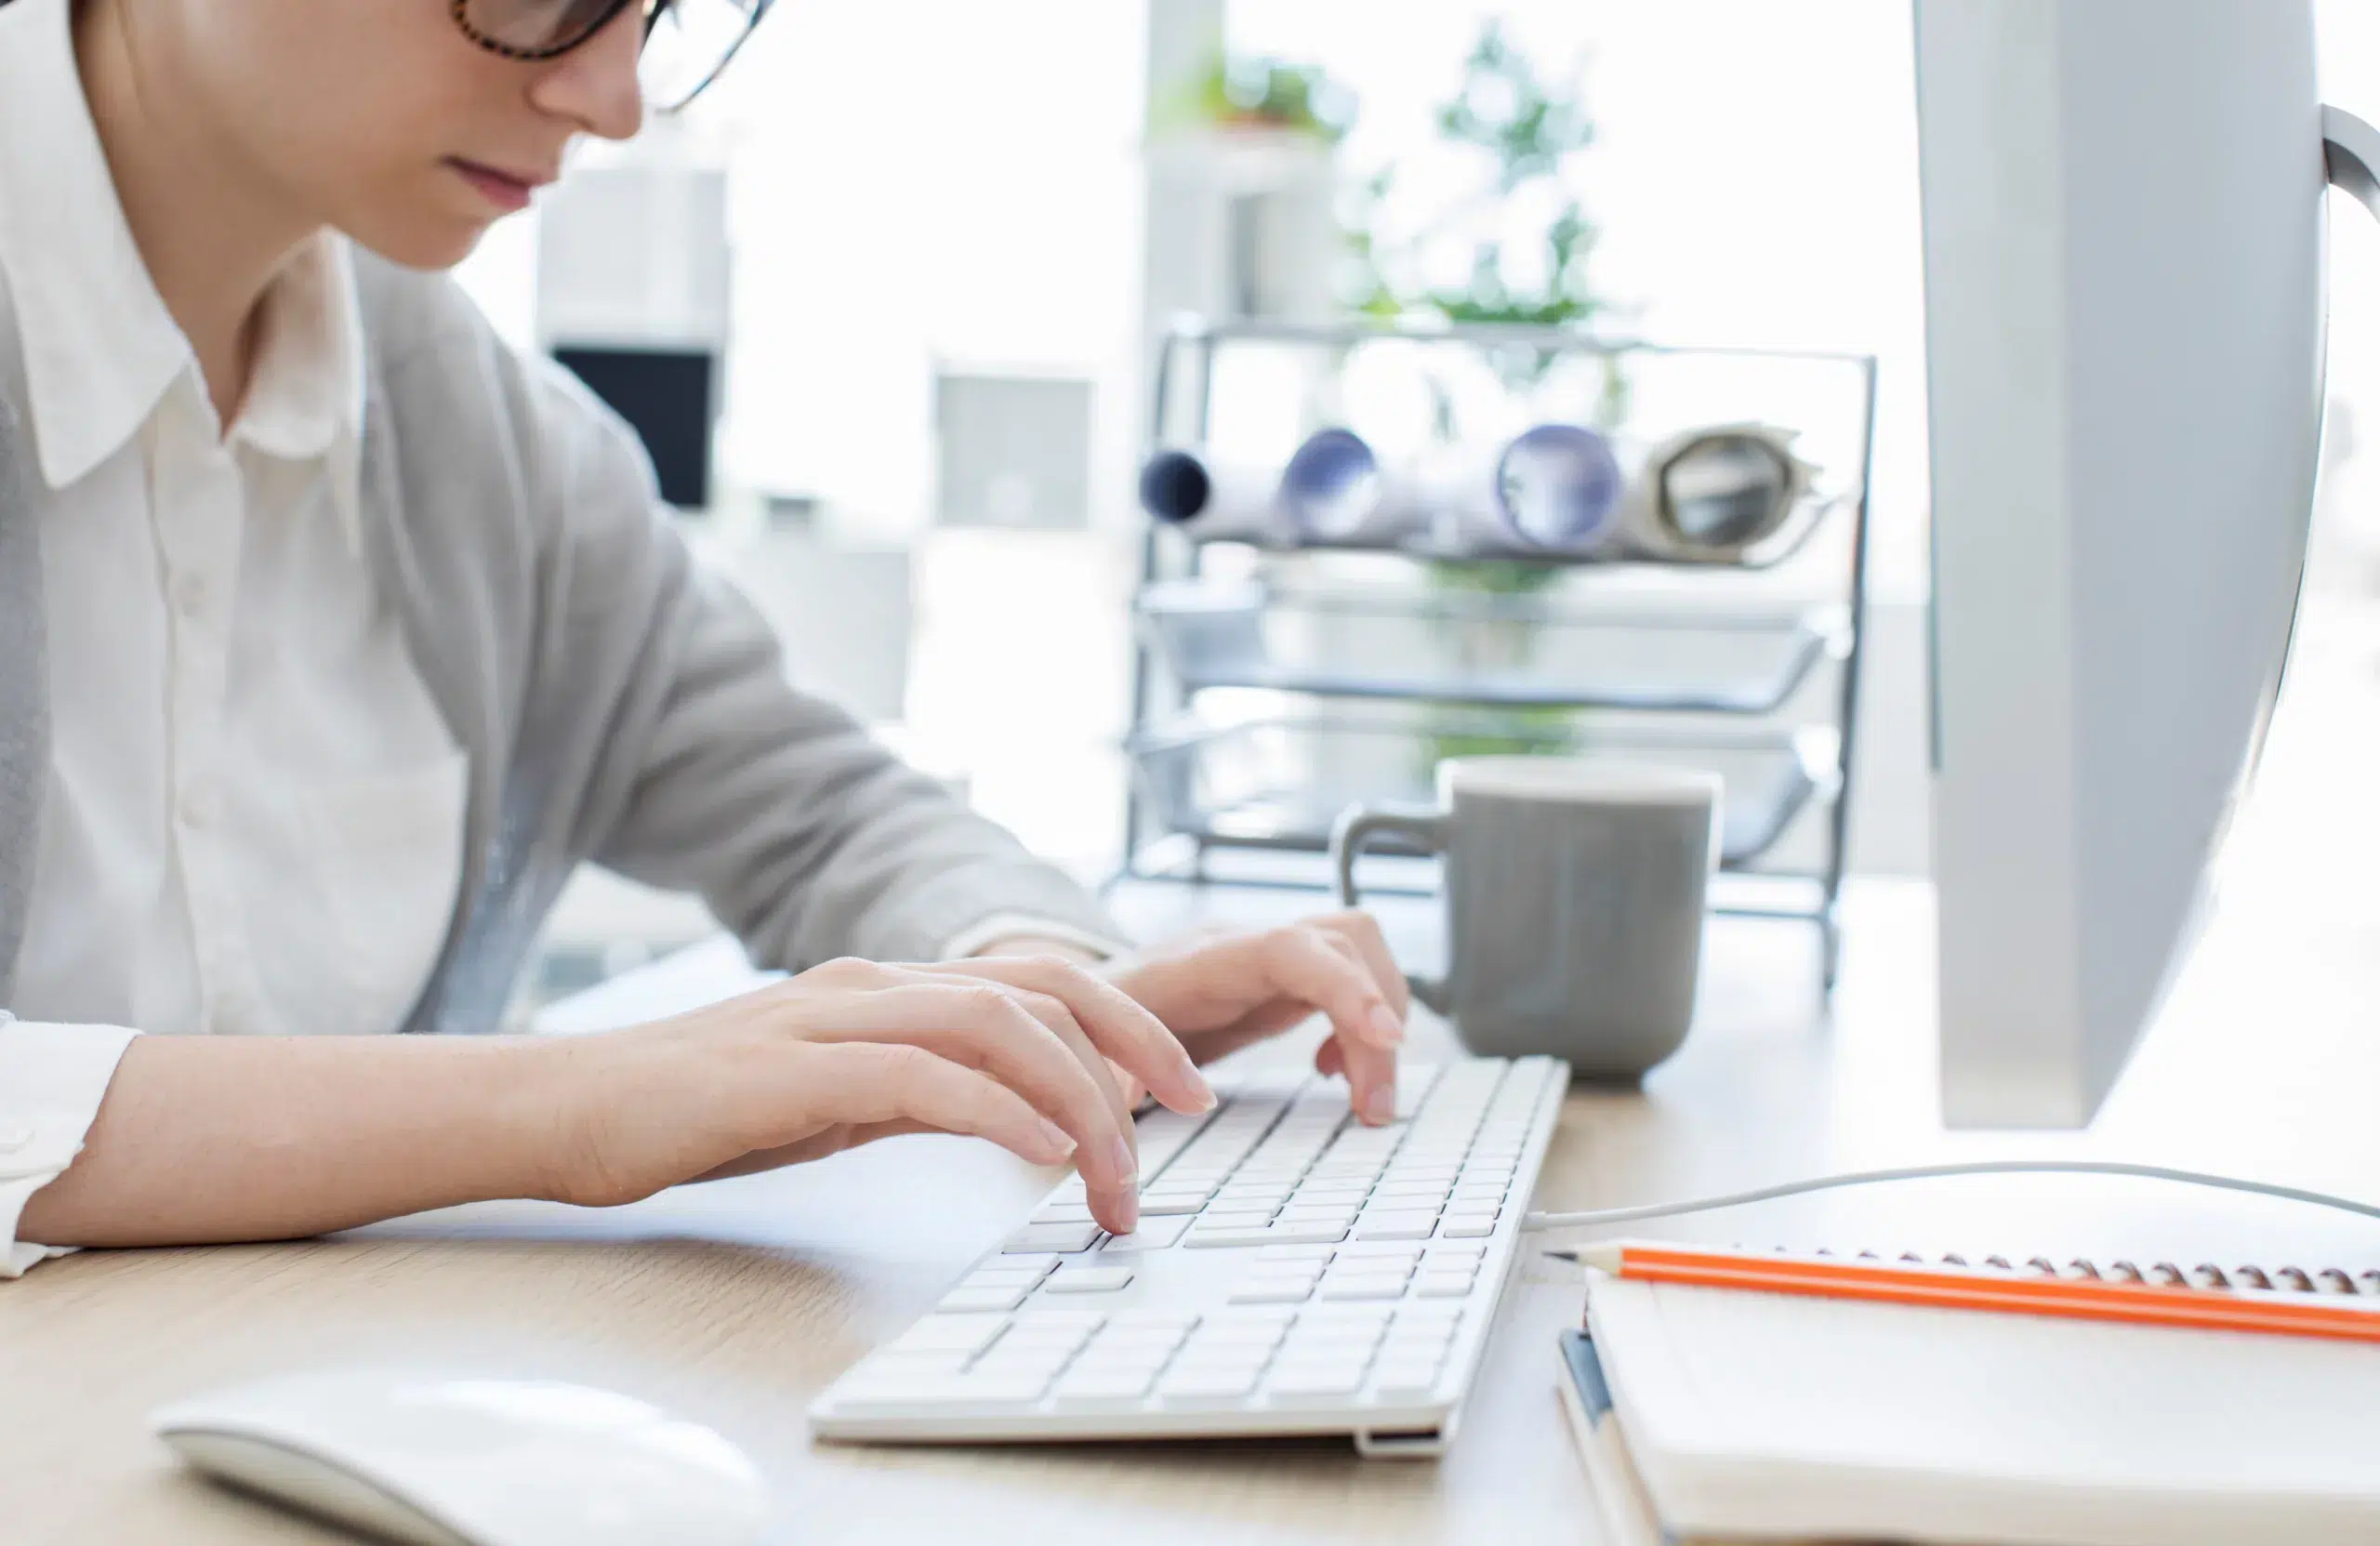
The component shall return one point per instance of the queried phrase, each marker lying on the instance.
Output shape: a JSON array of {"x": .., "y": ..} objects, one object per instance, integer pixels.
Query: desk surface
[{"x": 738, "y": 1301}]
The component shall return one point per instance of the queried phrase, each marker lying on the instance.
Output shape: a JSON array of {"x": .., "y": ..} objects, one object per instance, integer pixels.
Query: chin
[{"x": 427, "y": 241}]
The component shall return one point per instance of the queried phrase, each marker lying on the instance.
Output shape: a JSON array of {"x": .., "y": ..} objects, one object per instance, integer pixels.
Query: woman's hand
[
  {"x": 1016, "y": 1049},
  {"x": 1218, "y": 992}
]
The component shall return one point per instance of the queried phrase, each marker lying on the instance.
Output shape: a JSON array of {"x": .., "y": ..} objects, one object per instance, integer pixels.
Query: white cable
[{"x": 1535, "y": 1221}]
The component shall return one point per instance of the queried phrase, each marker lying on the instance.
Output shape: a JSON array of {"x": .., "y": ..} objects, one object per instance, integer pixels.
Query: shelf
[
  {"x": 1367, "y": 645},
  {"x": 1280, "y": 783},
  {"x": 1431, "y": 543}
]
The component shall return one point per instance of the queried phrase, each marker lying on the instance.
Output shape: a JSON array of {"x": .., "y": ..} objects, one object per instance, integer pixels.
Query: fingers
[
  {"x": 1362, "y": 931},
  {"x": 1025, "y": 1041},
  {"x": 867, "y": 1083},
  {"x": 1115, "y": 1021},
  {"x": 1328, "y": 972}
]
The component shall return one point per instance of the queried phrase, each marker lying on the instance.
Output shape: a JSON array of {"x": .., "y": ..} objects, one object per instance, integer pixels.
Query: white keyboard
[{"x": 1294, "y": 1272}]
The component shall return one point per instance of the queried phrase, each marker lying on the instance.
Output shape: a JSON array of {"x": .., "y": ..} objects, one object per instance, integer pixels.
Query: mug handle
[{"x": 1422, "y": 827}]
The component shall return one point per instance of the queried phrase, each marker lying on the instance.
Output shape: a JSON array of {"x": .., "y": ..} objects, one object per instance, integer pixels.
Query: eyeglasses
[{"x": 687, "y": 43}]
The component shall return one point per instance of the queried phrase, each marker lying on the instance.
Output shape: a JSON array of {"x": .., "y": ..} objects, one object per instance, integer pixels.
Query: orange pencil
[{"x": 1954, "y": 1287}]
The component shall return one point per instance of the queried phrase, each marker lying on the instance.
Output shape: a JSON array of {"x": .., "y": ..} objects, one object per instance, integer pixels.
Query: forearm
[{"x": 203, "y": 1139}]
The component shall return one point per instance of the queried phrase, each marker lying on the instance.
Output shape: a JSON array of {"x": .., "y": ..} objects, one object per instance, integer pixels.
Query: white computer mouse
[{"x": 450, "y": 1460}]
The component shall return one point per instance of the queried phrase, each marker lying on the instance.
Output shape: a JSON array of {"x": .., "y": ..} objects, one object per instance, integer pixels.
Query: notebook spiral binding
[{"x": 2159, "y": 1274}]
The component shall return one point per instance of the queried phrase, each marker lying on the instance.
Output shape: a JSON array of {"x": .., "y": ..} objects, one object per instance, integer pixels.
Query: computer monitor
[{"x": 2124, "y": 241}]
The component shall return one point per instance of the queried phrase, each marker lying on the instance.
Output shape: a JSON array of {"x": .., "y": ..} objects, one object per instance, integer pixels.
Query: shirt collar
[
  {"x": 101, "y": 348},
  {"x": 305, "y": 390}
]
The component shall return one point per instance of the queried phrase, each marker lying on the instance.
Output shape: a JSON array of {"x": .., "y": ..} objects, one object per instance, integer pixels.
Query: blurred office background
[{"x": 909, "y": 257}]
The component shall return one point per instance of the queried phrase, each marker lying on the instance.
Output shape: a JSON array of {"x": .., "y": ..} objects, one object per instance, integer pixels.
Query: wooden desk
[{"x": 738, "y": 1301}]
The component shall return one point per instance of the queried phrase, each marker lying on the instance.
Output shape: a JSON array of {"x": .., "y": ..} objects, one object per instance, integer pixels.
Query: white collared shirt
[{"x": 254, "y": 817}]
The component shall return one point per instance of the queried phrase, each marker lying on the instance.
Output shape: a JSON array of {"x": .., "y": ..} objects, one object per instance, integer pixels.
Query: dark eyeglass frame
[{"x": 610, "y": 12}]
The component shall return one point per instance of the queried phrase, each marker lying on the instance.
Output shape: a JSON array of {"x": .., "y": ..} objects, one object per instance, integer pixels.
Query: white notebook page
[{"x": 1787, "y": 1415}]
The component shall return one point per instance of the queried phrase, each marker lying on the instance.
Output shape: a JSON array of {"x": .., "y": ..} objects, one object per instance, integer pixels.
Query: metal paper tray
[
  {"x": 1410, "y": 646},
  {"x": 1280, "y": 783}
]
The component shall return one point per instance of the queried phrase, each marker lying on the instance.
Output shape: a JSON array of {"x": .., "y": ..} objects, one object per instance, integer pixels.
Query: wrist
[{"x": 565, "y": 1084}]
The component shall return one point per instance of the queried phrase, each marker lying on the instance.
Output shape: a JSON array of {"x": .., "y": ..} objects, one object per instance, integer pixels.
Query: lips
[{"x": 506, "y": 191}]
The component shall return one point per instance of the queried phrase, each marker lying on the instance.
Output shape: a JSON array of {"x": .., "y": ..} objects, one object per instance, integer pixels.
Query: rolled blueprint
[
  {"x": 1333, "y": 490},
  {"x": 1712, "y": 494},
  {"x": 1715, "y": 495},
  {"x": 1553, "y": 489}
]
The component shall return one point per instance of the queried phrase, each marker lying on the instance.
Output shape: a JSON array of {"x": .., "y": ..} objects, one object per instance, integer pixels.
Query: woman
[{"x": 334, "y": 635}]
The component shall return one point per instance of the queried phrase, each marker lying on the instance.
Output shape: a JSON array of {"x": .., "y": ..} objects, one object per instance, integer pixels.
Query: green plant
[
  {"x": 1244, "y": 92},
  {"x": 1530, "y": 126},
  {"x": 1531, "y": 130}
]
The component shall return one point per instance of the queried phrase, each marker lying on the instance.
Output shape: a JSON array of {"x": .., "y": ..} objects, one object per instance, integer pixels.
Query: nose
[{"x": 594, "y": 85}]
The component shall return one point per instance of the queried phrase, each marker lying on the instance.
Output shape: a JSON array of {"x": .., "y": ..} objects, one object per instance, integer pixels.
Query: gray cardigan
[{"x": 617, "y": 704}]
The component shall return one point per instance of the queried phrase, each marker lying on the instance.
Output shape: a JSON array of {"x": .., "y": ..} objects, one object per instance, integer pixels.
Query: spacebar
[{"x": 1268, "y": 1234}]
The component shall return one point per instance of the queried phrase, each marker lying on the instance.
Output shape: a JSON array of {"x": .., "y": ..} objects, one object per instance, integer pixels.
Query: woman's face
[{"x": 383, "y": 119}]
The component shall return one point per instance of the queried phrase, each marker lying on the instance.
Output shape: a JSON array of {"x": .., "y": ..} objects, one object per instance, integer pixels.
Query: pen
[{"x": 1955, "y": 1287}]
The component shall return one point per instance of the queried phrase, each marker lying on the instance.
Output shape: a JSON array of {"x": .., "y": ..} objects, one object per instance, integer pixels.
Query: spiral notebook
[{"x": 1736, "y": 1416}]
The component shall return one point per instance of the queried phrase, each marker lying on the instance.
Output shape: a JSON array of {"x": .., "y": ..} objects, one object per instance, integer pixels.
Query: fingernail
[
  {"x": 1128, "y": 1170},
  {"x": 1388, "y": 1029},
  {"x": 1128, "y": 1212},
  {"x": 1061, "y": 1143},
  {"x": 1199, "y": 1088},
  {"x": 1380, "y": 1103}
]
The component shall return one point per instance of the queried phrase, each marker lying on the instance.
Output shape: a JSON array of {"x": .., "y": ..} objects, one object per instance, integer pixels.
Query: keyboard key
[
  {"x": 962, "y": 1334},
  {"x": 1407, "y": 1340},
  {"x": 1221, "y": 1218},
  {"x": 1152, "y": 1319},
  {"x": 1153, "y": 1234},
  {"x": 1137, "y": 1371},
  {"x": 1062, "y": 1239},
  {"x": 1276, "y": 1235},
  {"x": 1304, "y": 1380},
  {"x": 1315, "y": 1218},
  {"x": 1054, "y": 1340},
  {"x": 1271, "y": 1288},
  {"x": 1397, "y": 1225},
  {"x": 1207, "y": 1352},
  {"x": 1374, "y": 1285},
  {"x": 961, "y": 1300},
  {"x": 1064, "y": 1213},
  {"x": 1202, "y": 1387},
  {"x": 1001, "y": 1369},
  {"x": 1295, "y": 1253},
  {"x": 1465, "y": 1226},
  {"x": 1001, "y": 1387},
  {"x": 1160, "y": 1204},
  {"x": 1406, "y": 1380},
  {"x": 1102, "y": 1394},
  {"x": 1442, "y": 1285},
  {"x": 1088, "y": 1280},
  {"x": 1378, "y": 1250}
]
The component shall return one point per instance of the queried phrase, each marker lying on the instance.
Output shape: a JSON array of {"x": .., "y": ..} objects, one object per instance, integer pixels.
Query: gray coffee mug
[{"x": 1575, "y": 892}]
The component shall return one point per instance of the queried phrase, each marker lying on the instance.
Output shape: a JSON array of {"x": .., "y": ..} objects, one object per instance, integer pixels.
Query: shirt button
[{"x": 14, "y": 1136}]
